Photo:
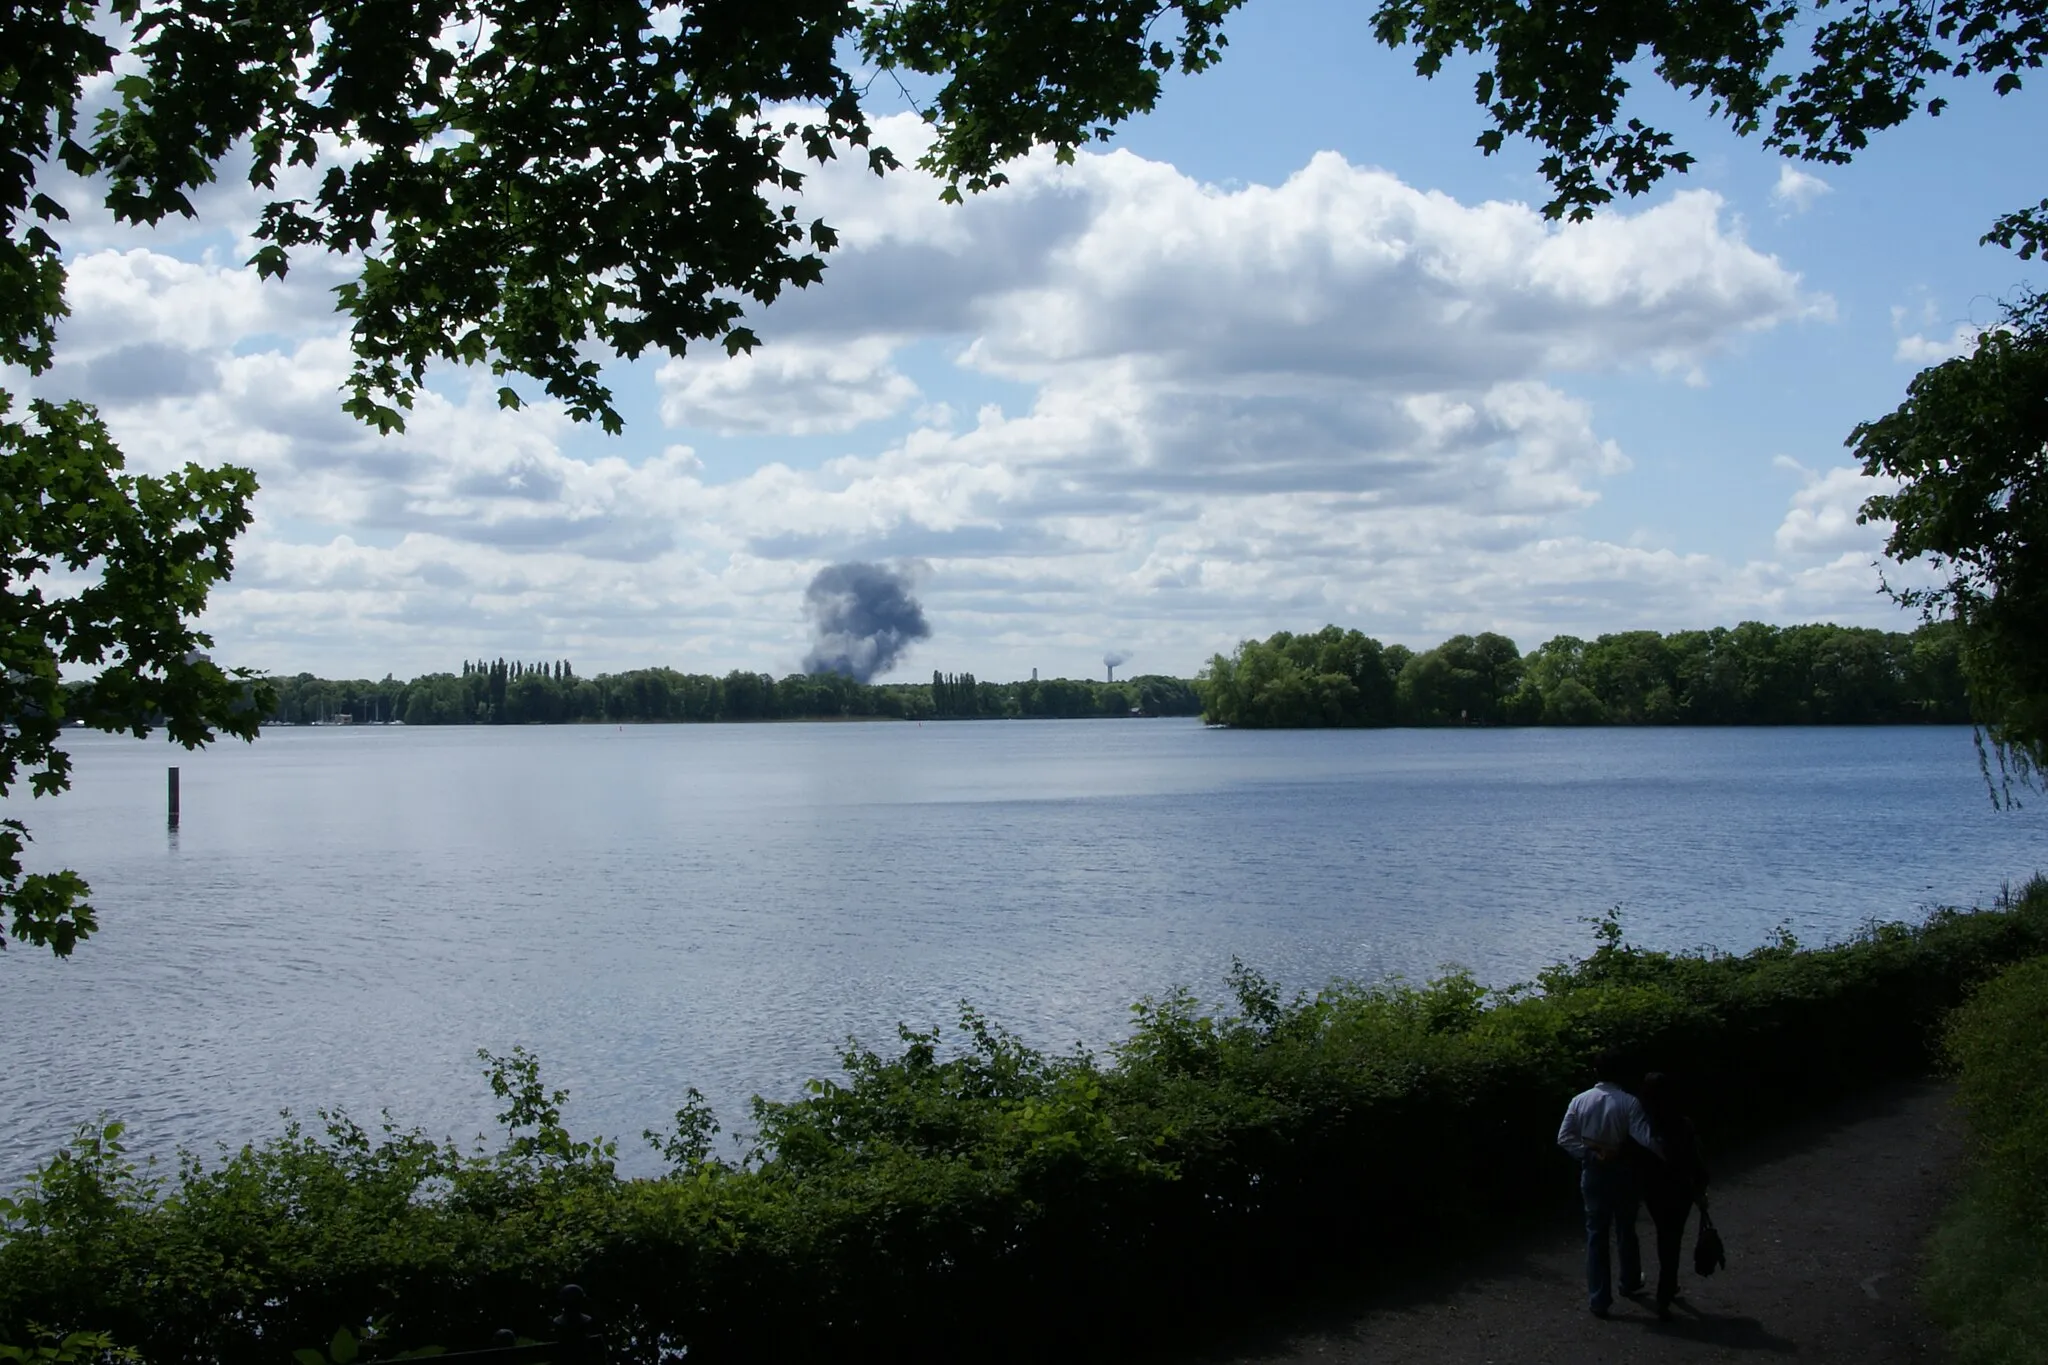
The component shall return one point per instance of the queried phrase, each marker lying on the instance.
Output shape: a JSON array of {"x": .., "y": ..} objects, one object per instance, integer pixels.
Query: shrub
[
  {"x": 981, "y": 1199},
  {"x": 1988, "y": 1274}
]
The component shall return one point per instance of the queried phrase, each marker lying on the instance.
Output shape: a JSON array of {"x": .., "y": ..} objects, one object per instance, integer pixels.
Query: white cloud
[
  {"x": 792, "y": 388},
  {"x": 122, "y": 298},
  {"x": 1340, "y": 270},
  {"x": 1915, "y": 349},
  {"x": 1797, "y": 190},
  {"x": 1822, "y": 517},
  {"x": 1338, "y": 397}
]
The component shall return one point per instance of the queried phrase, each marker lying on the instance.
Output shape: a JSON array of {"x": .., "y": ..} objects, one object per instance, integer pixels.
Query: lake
[{"x": 346, "y": 915}]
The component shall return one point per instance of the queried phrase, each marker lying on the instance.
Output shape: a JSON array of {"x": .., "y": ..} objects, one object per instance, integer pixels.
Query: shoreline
[{"x": 964, "y": 1188}]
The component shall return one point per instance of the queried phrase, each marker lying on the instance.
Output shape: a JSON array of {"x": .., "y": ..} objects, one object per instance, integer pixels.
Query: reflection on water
[{"x": 345, "y": 916}]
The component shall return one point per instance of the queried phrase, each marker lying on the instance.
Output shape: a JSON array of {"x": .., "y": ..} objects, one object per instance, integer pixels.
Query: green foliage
[
  {"x": 1999, "y": 1046},
  {"x": 686, "y": 1147},
  {"x": 955, "y": 694},
  {"x": 963, "y": 1195},
  {"x": 533, "y": 1117},
  {"x": 51, "y": 50},
  {"x": 1988, "y": 1271},
  {"x": 530, "y": 187},
  {"x": 1021, "y": 74},
  {"x": 496, "y": 226},
  {"x": 1751, "y": 675},
  {"x": 1333, "y": 677},
  {"x": 1466, "y": 680},
  {"x": 501, "y": 693},
  {"x": 105, "y": 571},
  {"x": 1970, "y": 448},
  {"x": 67, "y": 1348},
  {"x": 1561, "y": 77},
  {"x": 1987, "y": 1284}
]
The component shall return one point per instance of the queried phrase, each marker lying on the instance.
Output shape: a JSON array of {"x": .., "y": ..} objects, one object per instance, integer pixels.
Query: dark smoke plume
[{"x": 862, "y": 619}]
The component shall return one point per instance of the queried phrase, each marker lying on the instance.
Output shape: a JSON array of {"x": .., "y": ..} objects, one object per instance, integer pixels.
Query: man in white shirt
[{"x": 1598, "y": 1125}]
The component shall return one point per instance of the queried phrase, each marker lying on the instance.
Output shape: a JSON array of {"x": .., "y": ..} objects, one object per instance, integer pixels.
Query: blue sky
[
  {"x": 1896, "y": 229},
  {"x": 1290, "y": 350}
]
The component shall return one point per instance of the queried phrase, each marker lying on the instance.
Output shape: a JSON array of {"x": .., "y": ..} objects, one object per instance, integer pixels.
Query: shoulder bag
[{"x": 1708, "y": 1255}]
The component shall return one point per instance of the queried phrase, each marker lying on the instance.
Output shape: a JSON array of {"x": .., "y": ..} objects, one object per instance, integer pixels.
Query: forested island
[{"x": 1753, "y": 674}]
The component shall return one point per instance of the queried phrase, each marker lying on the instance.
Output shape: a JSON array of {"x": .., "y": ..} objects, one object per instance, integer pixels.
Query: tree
[
  {"x": 1970, "y": 447},
  {"x": 1333, "y": 677},
  {"x": 1632, "y": 675},
  {"x": 1554, "y": 74},
  {"x": 104, "y": 570},
  {"x": 1466, "y": 680},
  {"x": 524, "y": 181}
]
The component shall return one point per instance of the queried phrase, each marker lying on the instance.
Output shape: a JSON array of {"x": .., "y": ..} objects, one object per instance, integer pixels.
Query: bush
[
  {"x": 1988, "y": 1275},
  {"x": 984, "y": 1199}
]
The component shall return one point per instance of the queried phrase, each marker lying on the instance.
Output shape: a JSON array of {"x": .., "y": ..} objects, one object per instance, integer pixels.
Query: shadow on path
[
  {"x": 1824, "y": 1222},
  {"x": 1729, "y": 1333}
]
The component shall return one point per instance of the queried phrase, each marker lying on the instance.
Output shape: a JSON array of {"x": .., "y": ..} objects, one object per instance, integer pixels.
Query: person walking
[
  {"x": 1598, "y": 1125},
  {"x": 1672, "y": 1179}
]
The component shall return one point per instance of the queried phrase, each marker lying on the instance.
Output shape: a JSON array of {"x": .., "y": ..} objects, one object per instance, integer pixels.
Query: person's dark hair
[
  {"x": 1664, "y": 1102},
  {"x": 1610, "y": 1064},
  {"x": 1658, "y": 1094}
]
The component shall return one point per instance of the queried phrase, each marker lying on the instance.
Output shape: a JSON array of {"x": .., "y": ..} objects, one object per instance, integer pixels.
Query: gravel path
[{"x": 1824, "y": 1225}]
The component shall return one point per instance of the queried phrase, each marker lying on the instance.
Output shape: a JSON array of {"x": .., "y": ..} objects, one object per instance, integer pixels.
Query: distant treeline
[
  {"x": 1752, "y": 675},
  {"x": 495, "y": 692}
]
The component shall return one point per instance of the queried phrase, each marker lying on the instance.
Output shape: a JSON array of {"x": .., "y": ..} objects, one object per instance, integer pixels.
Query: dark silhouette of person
[
  {"x": 1671, "y": 1175},
  {"x": 1599, "y": 1127}
]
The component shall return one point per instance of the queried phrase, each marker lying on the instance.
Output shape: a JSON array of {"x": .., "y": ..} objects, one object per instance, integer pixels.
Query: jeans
[{"x": 1611, "y": 1196}]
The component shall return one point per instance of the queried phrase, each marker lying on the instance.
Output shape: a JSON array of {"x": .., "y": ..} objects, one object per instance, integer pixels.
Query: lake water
[{"x": 346, "y": 915}]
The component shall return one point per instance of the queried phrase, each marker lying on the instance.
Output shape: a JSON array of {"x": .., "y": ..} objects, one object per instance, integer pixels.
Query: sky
[{"x": 1288, "y": 351}]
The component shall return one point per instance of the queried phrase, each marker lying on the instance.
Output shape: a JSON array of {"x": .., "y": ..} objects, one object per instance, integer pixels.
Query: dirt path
[{"x": 1824, "y": 1226}]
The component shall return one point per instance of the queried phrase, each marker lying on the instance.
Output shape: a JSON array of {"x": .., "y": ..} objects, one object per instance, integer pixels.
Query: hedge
[{"x": 1988, "y": 1280}]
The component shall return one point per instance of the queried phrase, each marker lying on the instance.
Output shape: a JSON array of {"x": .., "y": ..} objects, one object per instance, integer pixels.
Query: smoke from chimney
[{"x": 863, "y": 618}]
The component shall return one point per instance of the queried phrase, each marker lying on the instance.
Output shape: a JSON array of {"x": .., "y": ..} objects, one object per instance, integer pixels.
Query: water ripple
[{"x": 345, "y": 917}]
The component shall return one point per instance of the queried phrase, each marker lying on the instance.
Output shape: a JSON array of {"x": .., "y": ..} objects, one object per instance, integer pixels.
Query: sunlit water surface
[{"x": 347, "y": 915}]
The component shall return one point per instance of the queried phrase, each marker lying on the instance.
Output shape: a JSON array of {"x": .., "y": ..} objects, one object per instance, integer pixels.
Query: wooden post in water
[{"x": 174, "y": 798}]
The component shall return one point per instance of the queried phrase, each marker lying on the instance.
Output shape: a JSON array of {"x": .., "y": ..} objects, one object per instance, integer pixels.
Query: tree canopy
[
  {"x": 534, "y": 185},
  {"x": 1557, "y": 73},
  {"x": 1970, "y": 447},
  {"x": 103, "y": 570},
  {"x": 1753, "y": 674},
  {"x": 495, "y": 692}
]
